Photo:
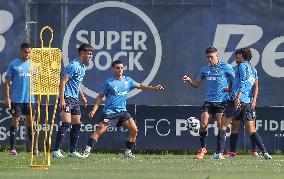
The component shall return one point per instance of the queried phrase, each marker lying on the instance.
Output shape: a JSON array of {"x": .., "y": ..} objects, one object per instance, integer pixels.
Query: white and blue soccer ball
[{"x": 192, "y": 124}]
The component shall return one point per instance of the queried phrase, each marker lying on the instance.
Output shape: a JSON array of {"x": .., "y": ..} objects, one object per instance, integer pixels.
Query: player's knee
[
  {"x": 219, "y": 126},
  {"x": 99, "y": 132},
  {"x": 251, "y": 131},
  {"x": 224, "y": 124},
  {"x": 95, "y": 136},
  {"x": 29, "y": 123},
  {"x": 223, "y": 127},
  {"x": 134, "y": 131},
  {"x": 15, "y": 124},
  {"x": 65, "y": 125},
  {"x": 203, "y": 126}
]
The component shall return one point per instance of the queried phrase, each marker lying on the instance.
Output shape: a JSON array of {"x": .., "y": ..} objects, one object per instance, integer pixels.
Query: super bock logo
[{"x": 116, "y": 30}]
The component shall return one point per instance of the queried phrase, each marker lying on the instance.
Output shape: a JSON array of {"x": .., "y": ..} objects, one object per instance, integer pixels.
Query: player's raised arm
[
  {"x": 193, "y": 83},
  {"x": 145, "y": 87}
]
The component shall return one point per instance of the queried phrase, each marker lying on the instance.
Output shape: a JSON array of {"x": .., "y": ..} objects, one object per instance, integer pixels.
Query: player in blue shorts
[
  {"x": 218, "y": 76},
  {"x": 17, "y": 94},
  {"x": 235, "y": 125},
  {"x": 239, "y": 104},
  {"x": 69, "y": 91},
  {"x": 115, "y": 91}
]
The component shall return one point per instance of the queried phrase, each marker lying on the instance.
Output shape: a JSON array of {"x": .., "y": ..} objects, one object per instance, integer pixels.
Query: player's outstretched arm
[
  {"x": 98, "y": 102},
  {"x": 7, "y": 91},
  {"x": 193, "y": 83},
  {"x": 145, "y": 87}
]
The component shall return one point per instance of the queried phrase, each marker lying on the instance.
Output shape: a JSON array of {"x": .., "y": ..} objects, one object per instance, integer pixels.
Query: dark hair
[
  {"x": 25, "y": 45},
  {"x": 116, "y": 62},
  {"x": 211, "y": 50},
  {"x": 85, "y": 47},
  {"x": 245, "y": 52}
]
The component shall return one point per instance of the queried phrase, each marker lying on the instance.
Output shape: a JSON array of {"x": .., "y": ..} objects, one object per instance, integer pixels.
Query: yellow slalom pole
[
  {"x": 48, "y": 61},
  {"x": 51, "y": 130}
]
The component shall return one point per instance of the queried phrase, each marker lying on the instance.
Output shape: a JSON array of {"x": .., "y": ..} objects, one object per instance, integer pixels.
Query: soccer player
[
  {"x": 18, "y": 94},
  {"x": 219, "y": 76},
  {"x": 69, "y": 91},
  {"x": 235, "y": 125},
  {"x": 115, "y": 91},
  {"x": 239, "y": 104}
]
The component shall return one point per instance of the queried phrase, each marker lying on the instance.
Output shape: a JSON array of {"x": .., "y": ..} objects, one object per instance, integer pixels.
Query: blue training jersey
[
  {"x": 75, "y": 71},
  {"x": 115, "y": 92},
  {"x": 19, "y": 72},
  {"x": 217, "y": 77},
  {"x": 246, "y": 75}
]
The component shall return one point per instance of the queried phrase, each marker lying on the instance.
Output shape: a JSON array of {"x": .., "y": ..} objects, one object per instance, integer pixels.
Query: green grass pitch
[{"x": 143, "y": 166}]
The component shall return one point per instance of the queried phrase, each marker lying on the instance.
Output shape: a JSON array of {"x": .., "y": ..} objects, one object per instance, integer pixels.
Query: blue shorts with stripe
[
  {"x": 116, "y": 119},
  {"x": 72, "y": 106},
  {"x": 213, "y": 107},
  {"x": 244, "y": 113},
  {"x": 18, "y": 109}
]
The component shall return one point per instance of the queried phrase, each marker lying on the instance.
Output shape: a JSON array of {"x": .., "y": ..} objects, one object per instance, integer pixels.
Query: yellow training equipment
[{"x": 45, "y": 66}]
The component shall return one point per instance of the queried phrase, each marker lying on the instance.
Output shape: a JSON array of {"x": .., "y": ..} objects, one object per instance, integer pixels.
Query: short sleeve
[
  {"x": 132, "y": 84},
  {"x": 230, "y": 71},
  {"x": 243, "y": 76},
  {"x": 69, "y": 70}
]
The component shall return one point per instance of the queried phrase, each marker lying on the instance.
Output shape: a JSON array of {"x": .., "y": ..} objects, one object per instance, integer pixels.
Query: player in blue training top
[
  {"x": 115, "y": 91},
  {"x": 235, "y": 125},
  {"x": 18, "y": 94},
  {"x": 219, "y": 76},
  {"x": 239, "y": 104},
  {"x": 69, "y": 91}
]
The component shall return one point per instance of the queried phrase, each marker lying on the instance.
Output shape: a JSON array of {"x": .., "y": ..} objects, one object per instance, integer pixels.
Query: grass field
[{"x": 143, "y": 166}]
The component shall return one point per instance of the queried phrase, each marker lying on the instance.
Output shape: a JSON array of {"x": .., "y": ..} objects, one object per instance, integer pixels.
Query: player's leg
[
  {"x": 250, "y": 127},
  {"x": 234, "y": 137},
  {"x": 94, "y": 138},
  {"x": 128, "y": 122},
  {"x": 74, "y": 134},
  {"x": 13, "y": 134},
  {"x": 256, "y": 138},
  {"x": 16, "y": 111},
  {"x": 219, "y": 109},
  {"x": 75, "y": 129},
  {"x": 65, "y": 115},
  {"x": 221, "y": 137},
  {"x": 205, "y": 117},
  {"x": 253, "y": 144}
]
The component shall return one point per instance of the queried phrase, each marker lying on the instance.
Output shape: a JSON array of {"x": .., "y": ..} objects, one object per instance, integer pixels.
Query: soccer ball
[{"x": 192, "y": 124}]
